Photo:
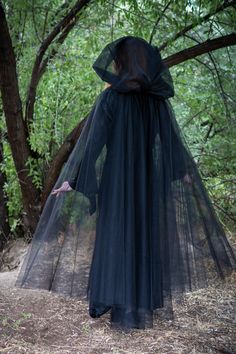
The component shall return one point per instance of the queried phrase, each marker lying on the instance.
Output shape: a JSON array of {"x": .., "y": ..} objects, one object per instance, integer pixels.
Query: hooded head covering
[{"x": 132, "y": 64}]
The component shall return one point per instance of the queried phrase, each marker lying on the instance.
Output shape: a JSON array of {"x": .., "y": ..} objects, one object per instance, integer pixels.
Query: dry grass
[{"x": 39, "y": 322}]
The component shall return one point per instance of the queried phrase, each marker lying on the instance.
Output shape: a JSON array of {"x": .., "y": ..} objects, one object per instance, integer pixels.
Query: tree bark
[
  {"x": 12, "y": 107},
  {"x": 199, "y": 49},
  {"x": 4, "y": 222},
  {"x": 17, "y": 128}
]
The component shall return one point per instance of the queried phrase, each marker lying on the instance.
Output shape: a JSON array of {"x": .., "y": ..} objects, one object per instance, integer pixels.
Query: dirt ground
[{"x": 40, "y": 322}]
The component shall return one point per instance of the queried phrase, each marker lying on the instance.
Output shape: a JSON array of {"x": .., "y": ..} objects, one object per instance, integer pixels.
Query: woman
[{"x": 129, "y": 221}]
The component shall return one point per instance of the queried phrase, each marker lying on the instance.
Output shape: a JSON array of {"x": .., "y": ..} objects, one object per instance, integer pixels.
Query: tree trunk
[
  {"x": 16, "y": 128},
  {"x": 4, "y": 223}
]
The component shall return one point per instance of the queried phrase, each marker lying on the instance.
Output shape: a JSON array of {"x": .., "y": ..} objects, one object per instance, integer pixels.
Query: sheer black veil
[{"x": 138, "y": 228}]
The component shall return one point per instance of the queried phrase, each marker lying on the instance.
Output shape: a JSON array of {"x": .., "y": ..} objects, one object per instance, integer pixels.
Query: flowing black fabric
[{"x": 138, "y": 228}]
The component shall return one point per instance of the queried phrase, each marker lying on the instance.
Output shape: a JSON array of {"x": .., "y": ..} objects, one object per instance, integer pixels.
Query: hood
[{"x": 132, "y": 64}]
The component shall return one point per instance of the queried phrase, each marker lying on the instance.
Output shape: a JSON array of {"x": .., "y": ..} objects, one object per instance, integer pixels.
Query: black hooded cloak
[{"x": 138, "y": 228}]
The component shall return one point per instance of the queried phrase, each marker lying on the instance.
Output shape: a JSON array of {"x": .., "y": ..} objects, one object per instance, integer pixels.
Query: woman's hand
[
  {"x": 65, "y": 187},
  {"x": 187, "y": 179}
]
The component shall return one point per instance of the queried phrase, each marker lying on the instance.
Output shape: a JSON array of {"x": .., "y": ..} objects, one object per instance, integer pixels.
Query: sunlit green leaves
[{"x": 205, "y": 90}]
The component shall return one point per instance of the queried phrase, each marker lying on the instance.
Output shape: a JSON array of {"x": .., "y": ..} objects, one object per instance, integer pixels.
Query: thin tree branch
[
  {"x": 45, "y": 24},
  {"x": 224, "y": 211},
  {"x": 199, "y": 49},
  {"x": 139, "y": 15},
  {"x": 223, "y": 95},
  {"x": 194, "y": 24},
  {"x": 63, "y": 8},
  {"x": 157, "y": 21},
  {"x": 54, "y": 51},
  {"x": 214, "y": 71},
  {"x": 35, "y": 24},
  {"x": 63, "y": 25},
  {"x": 194, "y": 116},
  {"x": 210, "y": 127},
  {"x": 22, "y": 37}
]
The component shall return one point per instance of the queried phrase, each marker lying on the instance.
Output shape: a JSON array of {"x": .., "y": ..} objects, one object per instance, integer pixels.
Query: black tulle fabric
[{"x": 138, "y": 229}]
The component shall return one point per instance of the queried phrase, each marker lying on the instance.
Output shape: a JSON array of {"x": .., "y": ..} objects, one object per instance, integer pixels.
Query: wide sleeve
[
  {"x": 176, "y": 153},
  {"x": 84, "y": 179}
]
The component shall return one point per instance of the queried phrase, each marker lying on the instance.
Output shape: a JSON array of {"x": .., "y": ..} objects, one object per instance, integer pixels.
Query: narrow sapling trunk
[
  {"x": 16, "y": 129},
  {"x": 4, "y": 222}
]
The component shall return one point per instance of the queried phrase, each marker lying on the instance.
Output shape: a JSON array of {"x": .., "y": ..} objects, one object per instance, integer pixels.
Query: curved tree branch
[
  {"x": 63, "y": 153},
  {"x": 201, "y": 20},
  {"x": 54, "y": 51},
  {"x": 157, "y": 21},
  {"x": 199, "y": 49},
  {"x": 214, "y": 71},
  {"x": 64, "y": 26}
]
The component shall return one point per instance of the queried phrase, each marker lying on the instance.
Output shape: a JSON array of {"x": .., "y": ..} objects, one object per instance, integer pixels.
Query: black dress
[{"x": 138, "y": 228}]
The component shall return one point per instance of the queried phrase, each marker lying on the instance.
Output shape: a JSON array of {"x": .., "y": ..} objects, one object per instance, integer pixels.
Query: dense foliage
[{"x": 204, "y": 102}]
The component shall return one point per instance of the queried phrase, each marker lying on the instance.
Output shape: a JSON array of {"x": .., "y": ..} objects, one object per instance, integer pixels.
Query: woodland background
[{"x": 47, "y": 48}]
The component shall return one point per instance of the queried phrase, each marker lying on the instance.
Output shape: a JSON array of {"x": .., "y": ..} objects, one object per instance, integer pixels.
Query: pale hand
[
  {"x": 187, "y": 179},
  {"x": 65, "y": 187}
]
